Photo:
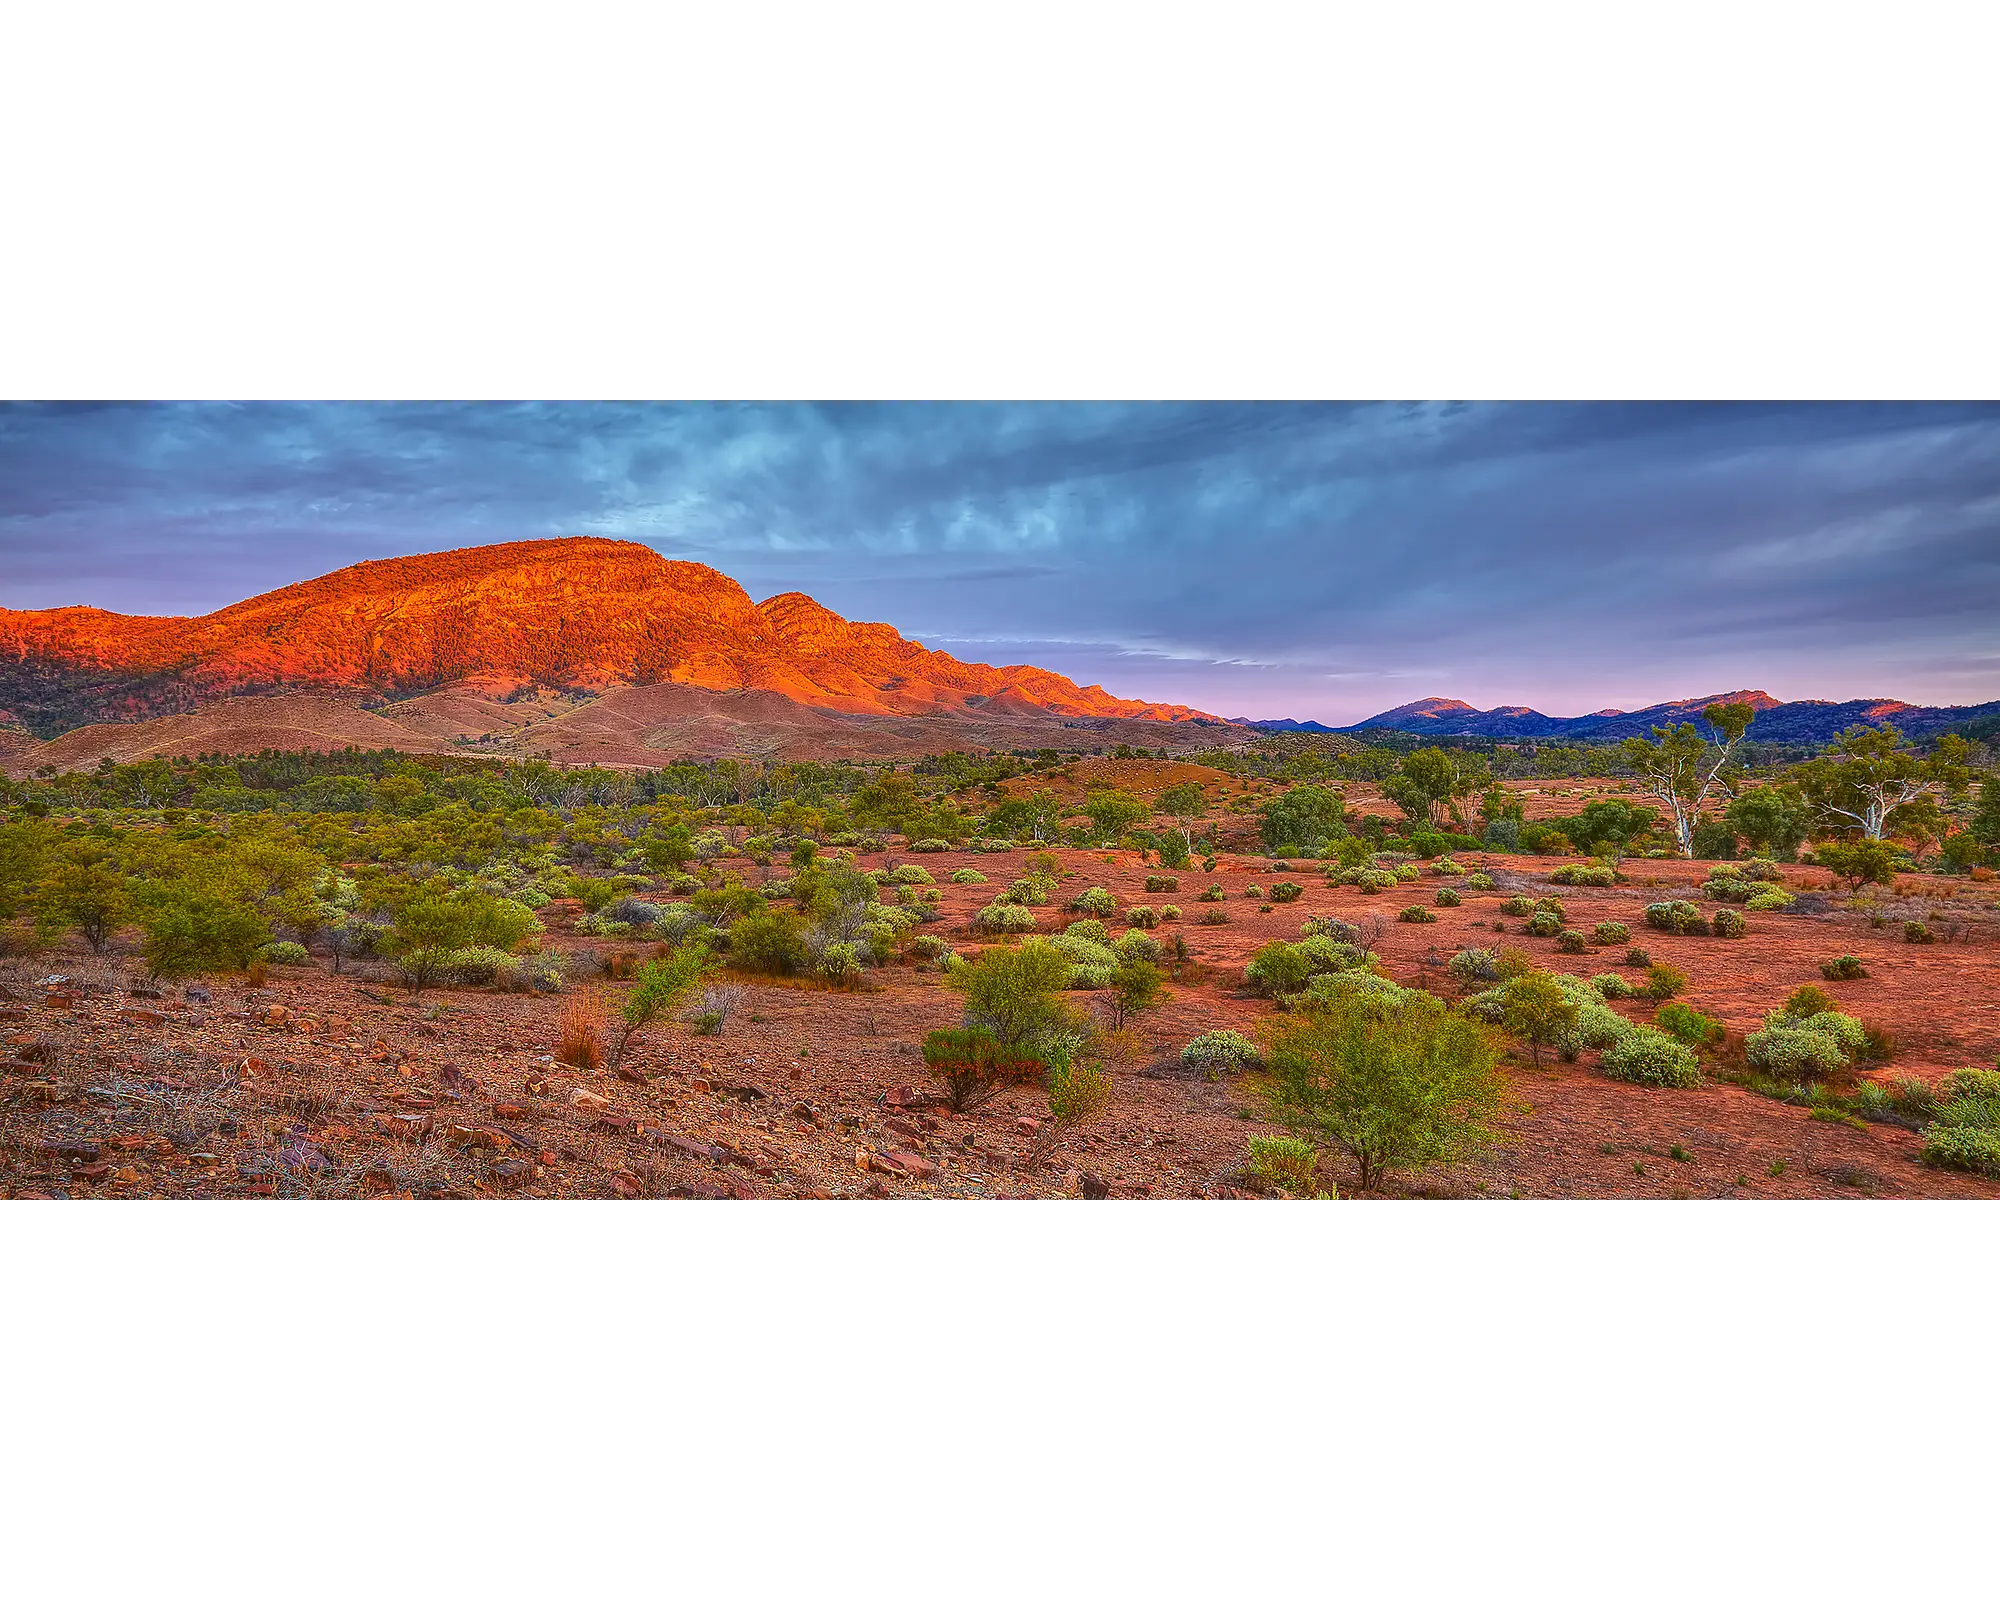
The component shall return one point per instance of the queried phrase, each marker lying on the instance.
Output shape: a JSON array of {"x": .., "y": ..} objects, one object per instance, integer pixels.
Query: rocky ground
[{"x": 346, "y": 1086}]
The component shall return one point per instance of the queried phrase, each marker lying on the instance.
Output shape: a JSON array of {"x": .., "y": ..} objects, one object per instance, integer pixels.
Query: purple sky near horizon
[{"x": 1320, "y": 561}]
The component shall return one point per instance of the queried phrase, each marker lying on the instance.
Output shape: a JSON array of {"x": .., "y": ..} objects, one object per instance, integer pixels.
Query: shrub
[
  {"x": 1288, "y": 1165},
  {"x": 1133, "y": 945},
  {"x": 1472, "y": 966},
  {"x": 1646, "y": 1055},
  {"x": 1030, "y": 891},
  {"x": 968, "y": 875},
  {"x": 1791, "y": 1045},
  {"x": 928, "y": 947},
  {"x": 1077, "y": 1094},
  {"x": 1610, "y": 933},
  {"x": 908, "y": 872},
  {"x": 285, "y": 953},
  {"x": 1416, "y": 914},
  {"x": 1918, "y": 933},
  {"x": 1445, "y": 897},
  {"x": 1478, "y": 881},
  {"x": 1613, "y": 986},
  {"x": 716, "y": 1006},
  {"x": 1170, "y": 913},
  {"x": 1398, "y": 1087},
  {"x": 1676, "y": 916},
  {"x": 480, "y": 963},
  {"x": 1219, "y": 1052},
  {"x": 1689, "y": 1024},
  {"x": 1214, "y": 891},
  {"x": 1730, "y": 924},
  {"x": 1808, "y": 1000},
  {"x": 1142, "y": 917},
  {"x": 768, "y": 941},
  {"x": 1004, "y": 917},
  {"x": 1635, "y": 957},
  {"x": 838, "y": 966},
  {"x": 1768, "y": 899},
  {"x": 1214, "y": 917},
  {"x": 1964, "y": 1135},
  {"x": 1518, "y": 905},
  {"x": 1278, "y": 969},
  {"x": 1096, "y": 901},
  {"x": 974, "y": 1066},
  {"x": 1089, "y": 928},
  {"x": 1016, "y": 993},
  {"x": 1571, "y": 940},
  {"x": 1969, "y": 1083},
  {"x": 1156, "y": 884},
  {"x": 1545, "y": 923},
  {"x": 1537, "y": 1009},
  {"x": 1663, "y": 982},
  {"x": 1135, "y": 987},
  {"x": 1593, "y": 876},
  {"x": 1375, "y": 881},
  {"x": 929, "y": 846},
  {"x": 1285, "y": 893}
]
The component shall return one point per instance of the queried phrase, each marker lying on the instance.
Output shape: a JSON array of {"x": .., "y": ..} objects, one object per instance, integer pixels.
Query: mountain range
[
  {"x": 1800, "y": 721},
  {"x": 575, "y": 649}
]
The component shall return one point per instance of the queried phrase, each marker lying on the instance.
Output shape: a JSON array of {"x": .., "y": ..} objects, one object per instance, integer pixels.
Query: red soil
[{"x": 348, "y": 1057}]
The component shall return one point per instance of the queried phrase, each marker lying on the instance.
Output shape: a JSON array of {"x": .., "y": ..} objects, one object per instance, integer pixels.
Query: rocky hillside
[{"x": 566, "y": 613}]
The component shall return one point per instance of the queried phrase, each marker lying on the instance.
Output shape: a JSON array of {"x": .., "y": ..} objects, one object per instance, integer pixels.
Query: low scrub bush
[
  {"x": 1595, "y": 875},
  {"x": 1646, "y": 1055},
  {"x": 1545, "y": 924},
  {"x": 1479, "y": 882},
  {"x": 1156, "y": 884},
  {"x": 1663, "y": 982},
  {"x": 1095, "y": 901},
  {"x": 1676, "y": 916},
  {"x": 973, "y": 1066},
  {"x": 1689, "y": 1024},
  {"x": 1571, "y": 940},
  {"x": 1219, "y": 1052},
  {"x": 1768, "y": 899},
  {"x": 1613, "y": 986},
  {"x": 1635, "y": 957},
  {"x": 1840, "y": 967},
  {"x": 1416, "y": 914},
  {"x": 1446, "y": 898},
  {"x": 1518, "y": 905},
  {"x": 1285, "y": 1164},
  {"x": 968, "y": 875},
  {"x": 1285, "y": 893},
  {"x": 1918, "y": 933},
  {"x": 1794, "y": 1046},
  {"x": 1278, "y": 969},
  {"x": 1610, "y": 933},
  {"x": 1004, "y": 917},
  {"x": 1142, "y": 917},
  {"x": 1472, "y": 966},
  {"x": 285, "y": 953},
  {"x": 1213, "y": 892},
  {"x": 1730, "y": 924},
  {"x": 1445, "y": 867}
]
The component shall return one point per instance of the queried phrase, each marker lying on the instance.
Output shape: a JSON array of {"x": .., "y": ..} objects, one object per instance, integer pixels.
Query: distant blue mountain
[{"x": 1800, "y": 721}]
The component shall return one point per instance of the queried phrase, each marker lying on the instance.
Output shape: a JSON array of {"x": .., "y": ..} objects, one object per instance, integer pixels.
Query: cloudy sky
[{"x": 1316, "y": 561}]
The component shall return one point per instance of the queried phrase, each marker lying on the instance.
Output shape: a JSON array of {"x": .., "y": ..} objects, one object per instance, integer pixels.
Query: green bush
[
  {"x": 1374, "y": 881},
  {"x": 968, "y": 875},
  {"x": 1016, "y": 992},
  {"x": 1398, "y": 1087},
  {"x": 1768, "y": 899},
  {"x": 1545, "y": 923},
  {"x": 1610, "y": 933},
  {"x": 1278, "y": 969},
  {"x": 1446, "y": 898},
  {"x": 1635, "y": 957},
  {"x": 1416, "y": 914},
  {"x": 1213, "y": 892},
  {"x": 1594, "y": 876},
  {"x": 1613, "y": 986},
  {"x": 1808, "y": 1000},
  {"x": 1003, "y": 917},
  {"x": 972, "y": 1064},
  {"x": 1689, "y": 1024},
  {"x": 1730, "y": 924},
  {"x": 1142, "y": 917},
  {"x": 839, "y": 965},
  {"x": 1445, "y": 867},
  {"x": 1156, "y": 884},
  {"x": 1918, "y": 933},
  {"x": 1839, "y": 967},
  {"x": 1219, "y": 1052},
  {"x": 1676, "y": 916},
  {"x": 908, "y": 872},
  {"x": 1288, "y": 1165},
  {"x": 1479, "y": 882},
  {"x": 1089, "y": 928},
  {"x": 772, "y": 940},
  {"x": 1646, "y": 1055},
  {"x": 1571, "y": 940},
  {"x": 1663, "y": 982},
  {"x": 929, "y": 948},
  {"x": 1285, "y": 893},
  {"x": 1097, "y": 901},
  {"x": 480, "y": 963},
  {"x": 1472, "y": 965},
  {"x": 1132, "y": 945},
  {"x": 1793, "y": 1046},
  {"x": 1518, "y": 905},
  {"x": 285, "y": 953},
  {"x": 1029, "y": 891}
]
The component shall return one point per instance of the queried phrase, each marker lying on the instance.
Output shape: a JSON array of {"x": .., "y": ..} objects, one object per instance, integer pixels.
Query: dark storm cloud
[{"x": 1305, "y": 560}]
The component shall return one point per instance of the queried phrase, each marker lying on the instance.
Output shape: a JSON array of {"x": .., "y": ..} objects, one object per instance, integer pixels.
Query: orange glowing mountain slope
[{"x": 567, "y": 613}]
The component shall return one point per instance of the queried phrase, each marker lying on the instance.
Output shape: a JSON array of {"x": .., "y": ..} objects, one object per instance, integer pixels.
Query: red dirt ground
[{"x": 116, "y": 1095}]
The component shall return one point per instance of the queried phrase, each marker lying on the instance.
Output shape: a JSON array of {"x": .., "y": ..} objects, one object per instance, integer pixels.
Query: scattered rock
[
  {"x": 904, "y": 1163},
  {"x": 805, "y": 1112},
  {"x": 626, "y": 1186},
  {"x": 584, "y": 1100},
  {"x": 1093, "y": 1187},
  {"x": 509, "y": 1172}
]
